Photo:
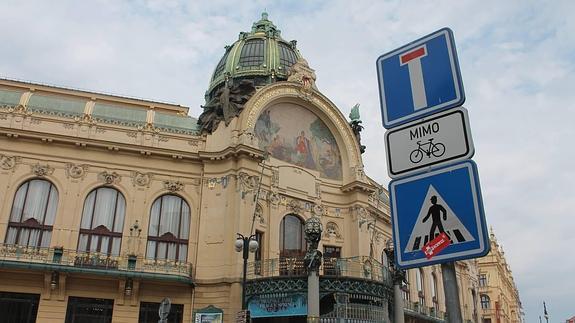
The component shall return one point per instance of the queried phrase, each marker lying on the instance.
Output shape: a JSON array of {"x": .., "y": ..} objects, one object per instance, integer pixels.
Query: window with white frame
[
  {"x": 32, "y": 215},
  {"x": 420, "y": 286},
  {"x": 485, "y": 301}
]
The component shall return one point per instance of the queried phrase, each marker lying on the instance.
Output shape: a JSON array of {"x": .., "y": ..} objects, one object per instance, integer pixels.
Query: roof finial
[{"x": 264, "y": 15}]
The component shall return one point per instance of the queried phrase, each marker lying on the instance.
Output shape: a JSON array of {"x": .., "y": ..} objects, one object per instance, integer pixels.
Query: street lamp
[{"x": 246, "y": 245}]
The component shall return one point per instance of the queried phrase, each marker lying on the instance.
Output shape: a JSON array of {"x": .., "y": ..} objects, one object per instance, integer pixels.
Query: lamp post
[
  {"x": 397, "y": 275},
  {"x": 246, "y": 245}
]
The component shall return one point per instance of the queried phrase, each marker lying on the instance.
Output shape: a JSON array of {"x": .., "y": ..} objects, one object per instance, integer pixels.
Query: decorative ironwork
[
  {"x": 276, "y": 285},
  {"x": 313, "y": 230},
  {"x": 102, "y": 261}
]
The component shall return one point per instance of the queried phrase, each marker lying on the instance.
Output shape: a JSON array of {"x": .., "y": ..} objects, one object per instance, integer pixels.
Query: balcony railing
[
  {"x": 416, "y": 307},
  {"x": 357, "y": 267},
  {"x": 92, "y": 260}
]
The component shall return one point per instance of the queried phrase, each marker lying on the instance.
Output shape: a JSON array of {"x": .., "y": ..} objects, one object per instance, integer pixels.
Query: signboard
[
  {"x": 210, "y": 314},
  {"x": 277, "y": 306},
  {"x": 446, "y": 200},
  {"x": 430, "y": 141},
  {"x": 419, "y": 79}
]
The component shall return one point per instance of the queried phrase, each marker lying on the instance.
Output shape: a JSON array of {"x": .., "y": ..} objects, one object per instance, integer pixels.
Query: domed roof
[{"x": 260, "y": 55}]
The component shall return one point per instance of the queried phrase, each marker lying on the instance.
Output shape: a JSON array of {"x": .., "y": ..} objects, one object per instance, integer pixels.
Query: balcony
[
  {"x": 65, "y": 260},
  {"x": 415, "y": 309},
  {"x": 356, "y": 275},
  {"x": 362, "y": 267}
]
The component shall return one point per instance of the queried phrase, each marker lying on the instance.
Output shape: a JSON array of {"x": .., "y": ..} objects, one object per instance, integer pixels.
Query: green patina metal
[
  {"x": 261, "y": 55},
  {"x": 327, "y": 285},
  {"x": 114, "y": 114},
  {"x": 176, "y": 123}
]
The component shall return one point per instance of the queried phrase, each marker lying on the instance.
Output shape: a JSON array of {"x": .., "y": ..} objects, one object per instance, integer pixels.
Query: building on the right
[{"x": 498, "y": 295}]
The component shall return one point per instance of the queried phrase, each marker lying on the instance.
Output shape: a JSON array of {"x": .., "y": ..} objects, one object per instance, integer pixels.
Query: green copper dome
[{"x": 260, "y": 55}]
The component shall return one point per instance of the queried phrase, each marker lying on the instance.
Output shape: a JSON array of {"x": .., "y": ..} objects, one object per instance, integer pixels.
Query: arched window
[
  {"x": 292, "y": 237},
  {"x": 33, "y": 214},
  {"x": 169, "y": 229},
  {"x": 420, "y": 286},
  {"x": 405, "y": 287},
  {"x": 102, "y": 221},
  {"x": 434, "y": 296},
  {"x": 485, "y": 301}
]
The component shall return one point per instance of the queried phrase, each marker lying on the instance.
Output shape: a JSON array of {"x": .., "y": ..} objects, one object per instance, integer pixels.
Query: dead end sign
[
  {"x": 446, "y": 200},
  {"x": 438, "y": 139}
]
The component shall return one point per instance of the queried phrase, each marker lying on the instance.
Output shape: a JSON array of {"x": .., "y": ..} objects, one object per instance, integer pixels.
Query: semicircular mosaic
[{"x": 295, "y": 135}]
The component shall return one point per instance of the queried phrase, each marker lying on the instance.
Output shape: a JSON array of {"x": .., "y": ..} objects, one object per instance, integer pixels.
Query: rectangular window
[
  {"x": 89, "y": 310},
  {"x": 331, "y": 256},
  {"x": 258, "y": 254},
  {"x": 149, "y": 313},
  {"x": 19, "y": 307},
  {"x": 482, "y": 280}
]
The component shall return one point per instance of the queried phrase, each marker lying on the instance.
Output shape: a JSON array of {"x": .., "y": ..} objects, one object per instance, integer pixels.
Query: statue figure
[
  {"x": 226, "y": 104},
  {"x": 356, "y": 126},
  {"x": 300, "y": 72},
  {"x": 313, "y": 230}
]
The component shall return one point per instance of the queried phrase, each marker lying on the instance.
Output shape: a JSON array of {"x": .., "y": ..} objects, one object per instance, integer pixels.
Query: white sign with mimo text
[{"x": 434, "y": 140}]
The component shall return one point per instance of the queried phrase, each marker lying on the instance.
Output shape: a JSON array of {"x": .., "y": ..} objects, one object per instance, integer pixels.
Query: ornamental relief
[
  {"x": 76, "y": 171},
  {"x": 141, "y": 179},
  {"x": 173, "y": 186},
  {"x": 109, "y": 178},
  {"x": 42, "y": 170},
  {"x": 8, "y": 162},
  {"x": 332, "y": 230}
]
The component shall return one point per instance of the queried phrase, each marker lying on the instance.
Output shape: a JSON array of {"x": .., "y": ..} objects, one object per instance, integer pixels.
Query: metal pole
[
  {"x": 398, "y": 315},
  {"x": 244, "y": 279},
  {"x": 451, "y": 293},
  {"x": 313, "y": 297}
]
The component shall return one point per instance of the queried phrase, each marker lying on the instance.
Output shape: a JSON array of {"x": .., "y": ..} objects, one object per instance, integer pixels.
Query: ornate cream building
[
  {"x": 110, "y": 204},
  {"x": 499, "y": 296}
]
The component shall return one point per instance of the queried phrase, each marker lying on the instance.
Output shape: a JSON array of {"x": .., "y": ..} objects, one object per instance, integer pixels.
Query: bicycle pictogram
[{"x": 428, "y": 148}]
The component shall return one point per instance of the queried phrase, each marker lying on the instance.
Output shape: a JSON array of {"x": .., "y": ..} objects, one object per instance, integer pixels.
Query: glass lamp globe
[
  {"x": 239, "y": 245},
  {"x": 253, "y": 245}
]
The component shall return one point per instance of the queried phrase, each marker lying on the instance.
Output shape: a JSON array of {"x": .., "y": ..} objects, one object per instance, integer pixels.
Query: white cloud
[{"x": 516, "y": 59}]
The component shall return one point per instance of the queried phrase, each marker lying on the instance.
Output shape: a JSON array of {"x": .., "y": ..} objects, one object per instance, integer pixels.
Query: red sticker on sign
[{"x": 434, "y": 246}]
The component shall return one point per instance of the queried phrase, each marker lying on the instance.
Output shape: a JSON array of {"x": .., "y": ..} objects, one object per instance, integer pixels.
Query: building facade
[
  {"x": 111, "y": 204},
  {"x": 498, "y": 294}
]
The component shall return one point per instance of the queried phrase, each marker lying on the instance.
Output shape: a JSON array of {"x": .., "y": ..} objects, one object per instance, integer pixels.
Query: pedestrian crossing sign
[{"x": 443, "y": 201}]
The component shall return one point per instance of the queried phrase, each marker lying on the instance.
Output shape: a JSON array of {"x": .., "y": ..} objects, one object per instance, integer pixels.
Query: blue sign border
[
  {"x": 454, "y": 62},
  {"x": 482, "y": 237}
]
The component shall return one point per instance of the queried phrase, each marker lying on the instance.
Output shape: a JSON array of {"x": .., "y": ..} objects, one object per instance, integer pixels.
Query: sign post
[{"x": 436, "y": 207}]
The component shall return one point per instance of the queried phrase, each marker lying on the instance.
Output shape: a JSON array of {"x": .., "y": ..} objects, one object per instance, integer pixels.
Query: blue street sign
[
  {"x": 419, "y": 79},
  {"x": 444, "y": 200}
]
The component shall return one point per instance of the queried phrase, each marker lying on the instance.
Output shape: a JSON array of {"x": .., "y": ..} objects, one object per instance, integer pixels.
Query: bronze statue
[
  {"x": 356, "y": 126},
  {"x": 226, "y": 104}
]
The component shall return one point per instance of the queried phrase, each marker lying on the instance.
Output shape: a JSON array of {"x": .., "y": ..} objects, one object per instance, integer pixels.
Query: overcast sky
[{"x": 517, "y": 60}]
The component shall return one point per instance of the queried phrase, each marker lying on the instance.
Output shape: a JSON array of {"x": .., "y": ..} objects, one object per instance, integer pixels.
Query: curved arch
[
  {"x": 32, "y": 214},
  {"x": 324, "y": 109},
  {"x": 102, "y": 221},
  {"x": 292, "y": 238},
  {"x": 485, "y": 301},
  {"x": 169, "y": 228}
]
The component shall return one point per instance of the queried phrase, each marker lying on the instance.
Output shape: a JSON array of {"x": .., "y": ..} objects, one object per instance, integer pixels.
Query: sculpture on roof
[
  {"x": 356, "y": 126},
  {"x": 300, "y": 72},
  {"x": 227, "y": 103}
]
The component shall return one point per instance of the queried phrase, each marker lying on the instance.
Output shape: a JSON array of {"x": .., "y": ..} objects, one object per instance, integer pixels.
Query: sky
[{"x": 517, "y": 61}]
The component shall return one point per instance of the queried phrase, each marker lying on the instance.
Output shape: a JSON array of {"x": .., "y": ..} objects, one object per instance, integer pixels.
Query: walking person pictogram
[{"x": 435, "y": 211}]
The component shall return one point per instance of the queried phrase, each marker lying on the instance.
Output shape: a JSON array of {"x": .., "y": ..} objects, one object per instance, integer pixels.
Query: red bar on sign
[
  {"x": 412, "y": 55},
  {"x": 434, "y": 246}
]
